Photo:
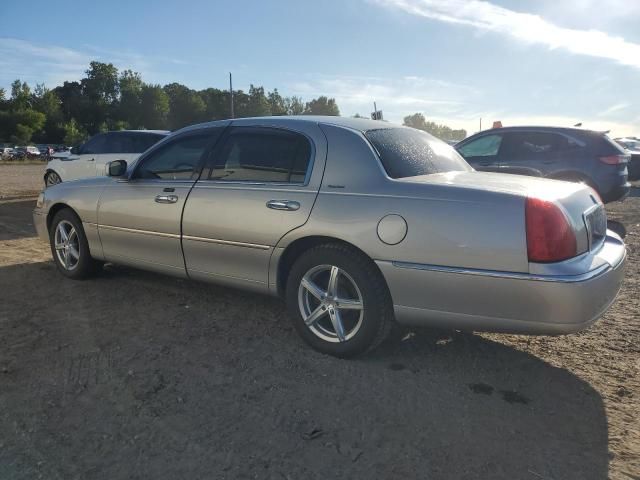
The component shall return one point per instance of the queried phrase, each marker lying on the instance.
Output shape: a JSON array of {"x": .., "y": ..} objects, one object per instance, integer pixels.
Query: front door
[
  {"x": 261, "y": 183},
  {"x": 482, "y": 153},
  {"x": 139, "y": 218}
]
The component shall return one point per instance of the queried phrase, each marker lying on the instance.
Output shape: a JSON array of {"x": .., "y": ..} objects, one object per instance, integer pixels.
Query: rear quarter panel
[{"x": 446, "y": 225}]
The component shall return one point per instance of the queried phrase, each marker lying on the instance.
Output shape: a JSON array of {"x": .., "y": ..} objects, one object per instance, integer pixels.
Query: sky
[{"x": 542, "y": 62}]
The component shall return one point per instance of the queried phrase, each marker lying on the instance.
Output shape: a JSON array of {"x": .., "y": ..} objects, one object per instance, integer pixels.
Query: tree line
[{"x": 106, "y": 99}]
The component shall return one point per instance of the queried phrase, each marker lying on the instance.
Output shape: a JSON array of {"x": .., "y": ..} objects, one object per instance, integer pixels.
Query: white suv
[{"x": 90, "y": 159}]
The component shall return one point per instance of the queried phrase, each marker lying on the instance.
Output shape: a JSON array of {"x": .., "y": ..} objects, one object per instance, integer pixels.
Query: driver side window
[{"x": 177, "y": 160}]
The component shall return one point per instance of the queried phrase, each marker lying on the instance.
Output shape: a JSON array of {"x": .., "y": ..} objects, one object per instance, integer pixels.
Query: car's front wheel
[
  {"x": 52, "y": 178},
  {"x": 69, "y": 246},
  {"x": 339, "y": 301}
]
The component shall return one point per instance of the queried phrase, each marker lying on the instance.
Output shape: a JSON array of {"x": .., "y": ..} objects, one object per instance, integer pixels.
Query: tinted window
[
  {"x": 263, "y": 155},
  {"x": 177, "y": 160},
  {"x": 486, "y": 146},
  {"x": 117, "y": 142},
  {"x": 535, "y": 143},
  {"x": 406, "y": 152},
  {"x": 95, "y": 144},
  {"x": 141, "y": 142}
]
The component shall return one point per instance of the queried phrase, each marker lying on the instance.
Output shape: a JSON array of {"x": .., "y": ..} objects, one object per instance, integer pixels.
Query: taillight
[
  {"x": 615, "y": 159},
  {"x": 550, "y": 237}
]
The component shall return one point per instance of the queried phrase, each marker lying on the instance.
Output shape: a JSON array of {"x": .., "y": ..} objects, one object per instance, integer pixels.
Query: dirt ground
[{"x": 134, "y": 375}]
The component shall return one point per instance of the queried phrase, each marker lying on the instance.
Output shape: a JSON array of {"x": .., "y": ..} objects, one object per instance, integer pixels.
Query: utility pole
[
  {"x": 231, "y": 93},
  {"x": 480, "y": 123}
]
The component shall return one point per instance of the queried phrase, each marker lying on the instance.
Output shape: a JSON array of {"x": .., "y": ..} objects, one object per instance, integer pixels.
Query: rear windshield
[{"x": 407, "y": 152}]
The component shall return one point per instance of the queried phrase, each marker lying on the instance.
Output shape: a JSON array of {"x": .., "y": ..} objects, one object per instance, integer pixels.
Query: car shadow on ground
[
  {"x": 16, "y": 219},
  {"x": 138, "y": 375}
]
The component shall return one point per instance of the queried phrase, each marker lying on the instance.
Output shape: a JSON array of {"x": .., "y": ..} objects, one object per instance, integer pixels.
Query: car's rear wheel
[
  {"x": 69, "y": 246},
  {"x": 338, "y": 300},
  {"x": 51, "y": 178}
]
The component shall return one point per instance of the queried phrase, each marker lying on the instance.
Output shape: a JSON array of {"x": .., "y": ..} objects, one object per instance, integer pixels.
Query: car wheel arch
[
  {"x": 54, "y": 209},
  {"x": 296, "y": 248},
  {"x": 48, "y": 172}
]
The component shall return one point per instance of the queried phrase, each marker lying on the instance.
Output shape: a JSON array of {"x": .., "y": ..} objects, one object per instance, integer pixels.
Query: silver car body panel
[{"x": 461, "y": 264}]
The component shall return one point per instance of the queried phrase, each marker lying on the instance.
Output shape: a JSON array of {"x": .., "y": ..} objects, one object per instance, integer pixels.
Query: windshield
[{"x": 407, "y": 152}]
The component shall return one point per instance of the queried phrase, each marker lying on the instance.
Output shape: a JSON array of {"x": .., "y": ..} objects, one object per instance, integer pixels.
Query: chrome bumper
[
  {"x": 564, "y": 301},
  {"x": 40, "y": 222}
]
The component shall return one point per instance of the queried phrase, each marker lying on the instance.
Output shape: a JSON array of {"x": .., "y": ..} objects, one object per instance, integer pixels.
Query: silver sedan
[{"x": 355, "y": 223}]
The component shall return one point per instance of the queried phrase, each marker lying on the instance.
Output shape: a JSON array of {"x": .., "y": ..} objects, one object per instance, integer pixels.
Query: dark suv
[{"x": 571, "y": 154}]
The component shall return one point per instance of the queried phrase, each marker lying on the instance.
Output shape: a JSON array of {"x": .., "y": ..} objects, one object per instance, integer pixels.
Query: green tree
[
  {"x": 185, "y": 106},
  {"x": 277, "y": 104},
  {"x": 154, "y": 107},
  {"x": 74, "y": 134},
  {"x": 295, "y": 105},
  {"x": 100, "y": 90},
  {"x": 322, "y": 106},
  {"x": 130, "y": 86},
  {"x": 442, "y": 132},
  {"x": 258, "y": 103}
]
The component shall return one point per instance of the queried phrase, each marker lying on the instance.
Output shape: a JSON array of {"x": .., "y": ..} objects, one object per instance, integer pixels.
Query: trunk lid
[{"x": 578, "y": 201}]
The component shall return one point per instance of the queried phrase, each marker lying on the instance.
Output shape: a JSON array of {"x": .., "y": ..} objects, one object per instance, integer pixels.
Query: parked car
[
  {"x": 632, "y": 145},
  {"x": 355, "y": 223},
  {"x": 89, "y": 160},
  {"x": 26, "y": 152},
  {"x": 7, "y": 153},
  {"x": 571, "y": 154}
]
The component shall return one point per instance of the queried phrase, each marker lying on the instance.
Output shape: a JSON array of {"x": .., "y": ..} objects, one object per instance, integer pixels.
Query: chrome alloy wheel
[
  {"x": 67, "y": 245},
  {"x": 330, "y": 303}
]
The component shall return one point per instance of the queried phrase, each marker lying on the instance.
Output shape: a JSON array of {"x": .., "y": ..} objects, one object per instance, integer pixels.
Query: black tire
[
  {"x": 82, "y": 267},
  {"x": 51, "y": 178},
  {"x": 359, "y": 274}
]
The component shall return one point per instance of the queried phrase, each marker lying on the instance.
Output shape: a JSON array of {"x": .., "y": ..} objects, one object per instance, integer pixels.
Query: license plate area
[{"x": 595, "y": 219}]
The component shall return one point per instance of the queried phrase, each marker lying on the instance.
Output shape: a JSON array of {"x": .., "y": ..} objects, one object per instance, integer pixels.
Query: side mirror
[{"x": 117, "y": 168}]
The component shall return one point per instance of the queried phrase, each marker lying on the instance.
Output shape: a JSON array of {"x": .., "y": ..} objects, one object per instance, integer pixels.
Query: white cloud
[
  {"x": 614, "y": 109},
  {"x": 396, "y": 97},
  {"x": 52, "y": 65},
  {"x": 525, "y": 27}
]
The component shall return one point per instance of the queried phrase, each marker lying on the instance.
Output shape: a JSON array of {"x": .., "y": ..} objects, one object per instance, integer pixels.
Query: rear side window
[
  {"x": 535, "y": 143},
  {"x": 177, "y": 160},
  {"x": 262, "y": 155},
  {"x": 117, "y": 143},
  {"x": 141, "y": 142},
  {"x": 97, "y": 144},
  {"x": 407, "y": 152},
  {"x": 487, "y": 146}
]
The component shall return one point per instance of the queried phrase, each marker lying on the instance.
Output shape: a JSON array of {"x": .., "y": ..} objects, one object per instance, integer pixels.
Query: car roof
[
  {"x": 360, "y": 124},
  {"x": 542, "y": 128},
  {"x": 157, "y": 132}
]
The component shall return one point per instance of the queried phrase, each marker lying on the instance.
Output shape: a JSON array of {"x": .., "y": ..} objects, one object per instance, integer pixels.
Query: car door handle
[
  {"x": 283, "y": 205},
  {"x": 166, "y": 198},
  {"x": 91, "y": 160}
]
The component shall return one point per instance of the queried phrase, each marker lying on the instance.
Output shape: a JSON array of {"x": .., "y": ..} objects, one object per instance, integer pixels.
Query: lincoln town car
[{"x": 355, "y": 223}]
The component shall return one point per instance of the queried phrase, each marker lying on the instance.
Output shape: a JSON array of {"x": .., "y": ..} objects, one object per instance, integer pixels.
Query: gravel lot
[{"x": 134, "y": 375}]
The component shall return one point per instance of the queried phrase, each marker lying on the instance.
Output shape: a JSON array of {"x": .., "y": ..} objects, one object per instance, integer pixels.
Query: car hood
[{"x": 501, "y": 182}]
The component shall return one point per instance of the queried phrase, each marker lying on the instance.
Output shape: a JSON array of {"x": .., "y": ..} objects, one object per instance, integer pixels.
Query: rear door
[
  {"x": 139, "y": 218},
  {"x": 534, "y": 153},
  {"x": 125, "y": 146},
  {"x": 261, "y": 183},
  {"x": 84, "y": 164}
]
